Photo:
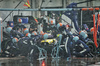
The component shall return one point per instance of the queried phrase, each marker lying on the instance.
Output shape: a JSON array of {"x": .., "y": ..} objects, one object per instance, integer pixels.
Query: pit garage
[{"x": 49, "y": 33}]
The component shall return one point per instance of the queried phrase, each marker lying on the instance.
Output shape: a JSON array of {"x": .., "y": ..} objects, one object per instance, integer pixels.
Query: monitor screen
[{"x": 24, "y": 19}]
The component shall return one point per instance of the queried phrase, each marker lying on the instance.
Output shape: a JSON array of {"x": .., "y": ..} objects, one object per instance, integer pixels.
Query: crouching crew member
[
  {"x": 80, "y": 49},
  {"x": 19, "y": 26},
  {"x": 14, "y": 33}
]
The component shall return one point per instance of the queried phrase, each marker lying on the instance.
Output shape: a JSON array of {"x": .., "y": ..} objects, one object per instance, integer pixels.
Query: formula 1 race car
[{"x": 48, "y": 41}]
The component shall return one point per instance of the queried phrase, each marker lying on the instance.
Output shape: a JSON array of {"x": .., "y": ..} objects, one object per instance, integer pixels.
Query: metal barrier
[{"x": 59, "y": 9}]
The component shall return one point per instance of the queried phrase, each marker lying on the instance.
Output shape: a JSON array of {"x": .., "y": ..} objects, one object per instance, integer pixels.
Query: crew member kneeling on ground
[{"x": 80, "y": 49}]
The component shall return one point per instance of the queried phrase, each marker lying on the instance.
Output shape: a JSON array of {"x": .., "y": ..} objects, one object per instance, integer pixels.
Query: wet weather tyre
[
  {"x": 4, "y": 44},
  {"x": 92, "y": 47}
]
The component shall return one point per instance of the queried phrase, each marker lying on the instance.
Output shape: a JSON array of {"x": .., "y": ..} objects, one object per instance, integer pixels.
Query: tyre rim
[{"x": 91, "y": 48}]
